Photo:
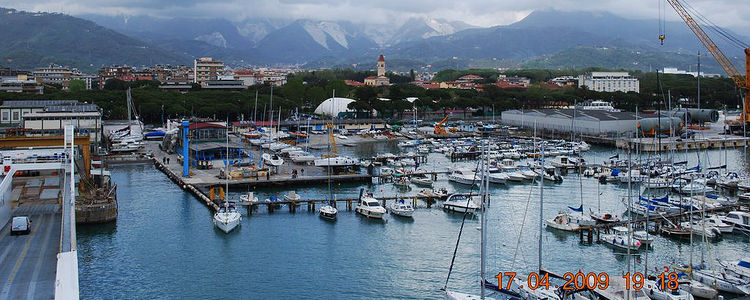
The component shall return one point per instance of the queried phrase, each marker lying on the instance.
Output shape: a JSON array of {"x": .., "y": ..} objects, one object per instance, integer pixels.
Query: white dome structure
[{"x": 334, "y": 106}]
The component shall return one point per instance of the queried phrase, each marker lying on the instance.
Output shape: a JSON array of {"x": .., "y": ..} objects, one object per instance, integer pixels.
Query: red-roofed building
[{"x": 354, "y": 83}]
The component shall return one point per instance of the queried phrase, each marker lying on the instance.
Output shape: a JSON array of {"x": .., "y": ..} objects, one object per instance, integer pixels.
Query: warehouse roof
[{"x": 600, "y": 115}]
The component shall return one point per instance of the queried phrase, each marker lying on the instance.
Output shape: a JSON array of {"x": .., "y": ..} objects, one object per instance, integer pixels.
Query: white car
[{"x": 20, "y": 225}]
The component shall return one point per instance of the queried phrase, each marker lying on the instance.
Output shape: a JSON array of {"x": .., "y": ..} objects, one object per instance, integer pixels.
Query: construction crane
[
  {"x": 332, "y": 149},
  {"x": 439, "y": 126},
  {"x": 742, "y": 81}
]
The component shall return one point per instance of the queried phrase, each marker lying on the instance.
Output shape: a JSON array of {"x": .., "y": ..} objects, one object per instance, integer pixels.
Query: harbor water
[{"x": 164, "y": 245}]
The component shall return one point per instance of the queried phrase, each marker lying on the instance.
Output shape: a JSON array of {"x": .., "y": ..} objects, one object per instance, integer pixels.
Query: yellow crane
[
  {"x": 439, "y": 126},
  {"x": 333, "y": 150},
  {"x": 742, "y": 81}
]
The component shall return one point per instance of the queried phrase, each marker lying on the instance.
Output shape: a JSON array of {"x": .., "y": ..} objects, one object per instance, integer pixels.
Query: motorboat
[
  {"x": 441, "y": 193},
  {"x": 370, "y": 207},
  {"x": 292, "y": 197},
  {"x": 499, "y": 178},
  {"x": 402, "y": 182},
  {"x": 656, "y": 183},
  {"x": 604, "y": 217},
  {"x": 716, "y": 221},
  {"x": 740, "y": 220},
  {"x": 401, "y": 208},
  {"x": 328, "y": 212},
  {"x": 619, "y": 238},
  {"x": 421, "y": 179},
  {"x": 464, "y": 177},
  {"x": 527, "y": 172},
  {"x": 278, "y": 146},
  {"x": 227, "y": 217},
  {"x": 550, "y": 175},
  {"x": 461, "y": 203},
  {"x": 692, "y": 188},
  {"x": 301, "y": 157},
  {"x": 701, "y": 229},
  {"x": 676, "y": 232},
  {"x": 249, "y": 198},
  {"x": 339, "y": 161},
  {"x": 289, "y": 149},
  {"x": 562, "y": 221},
  {"x": 563, "y": 162},
  {"x": 643, "y": 237},
  {"x": 272, "y": 159},
  {"x": 653, "y": 288}
]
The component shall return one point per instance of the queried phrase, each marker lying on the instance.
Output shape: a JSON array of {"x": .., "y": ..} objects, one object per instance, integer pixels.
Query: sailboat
[
  {"x": 227, "y": 217},
  {"x": 328, "y": 211},
  {"x": 483, "y": 221}
]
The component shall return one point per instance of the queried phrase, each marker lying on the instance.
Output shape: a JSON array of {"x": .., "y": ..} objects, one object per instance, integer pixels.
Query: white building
[{"x": 609, "y": 82}]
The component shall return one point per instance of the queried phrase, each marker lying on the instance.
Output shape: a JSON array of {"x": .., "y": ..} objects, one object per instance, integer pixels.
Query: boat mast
[
  {"x": 226, "y": 171},
  {"x": 630, "y": 211},
  {"x": 255, "y": 108},
  {"x": 330, "y": 193},
  {"x": 483, "y": 220},
  {"x": 130, "y": 104},
  {"x": 541, "y": 204}
]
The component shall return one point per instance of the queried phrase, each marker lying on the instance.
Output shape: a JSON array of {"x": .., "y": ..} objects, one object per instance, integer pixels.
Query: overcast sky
[{"x": 729, "y": 13}]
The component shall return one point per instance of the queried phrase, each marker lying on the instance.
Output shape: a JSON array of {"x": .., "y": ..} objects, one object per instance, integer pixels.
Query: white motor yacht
[
  {"x": 619, "y": 238},
  {"x": 272, "y": 159},
  {"x": 421, "y": 179},
  {"x": 464, "y": 177},
  {"x": 460, "y": 203},
  {"x": 370, "y": 207},
  {"x": 339, "y": 161},
  {"x": 499, "y": 178},
  {"x": 740, "y": 220},
  {"x": 401, "y": 208}
]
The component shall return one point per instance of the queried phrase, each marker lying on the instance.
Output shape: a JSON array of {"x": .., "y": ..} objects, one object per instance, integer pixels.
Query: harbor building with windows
[{"x": 609, "y": 82}]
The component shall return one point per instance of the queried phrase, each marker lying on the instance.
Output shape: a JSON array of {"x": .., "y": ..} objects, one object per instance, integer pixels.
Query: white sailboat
[
  {"x": 482, "y": 280},
  {"x": 227, "y": 218},
  {"x": 328, "y": 211}
]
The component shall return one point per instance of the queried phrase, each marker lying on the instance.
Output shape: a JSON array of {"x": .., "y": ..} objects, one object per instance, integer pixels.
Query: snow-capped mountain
[
  {"x": 307, "y": 40},
  {"x": 423, "y": 28}
]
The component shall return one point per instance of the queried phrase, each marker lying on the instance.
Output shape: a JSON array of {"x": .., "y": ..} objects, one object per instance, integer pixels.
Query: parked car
[{"x": 20, "y": 225}]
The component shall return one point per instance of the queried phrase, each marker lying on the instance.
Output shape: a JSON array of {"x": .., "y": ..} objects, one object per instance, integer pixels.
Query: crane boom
[{"x": 742, "y": 81}]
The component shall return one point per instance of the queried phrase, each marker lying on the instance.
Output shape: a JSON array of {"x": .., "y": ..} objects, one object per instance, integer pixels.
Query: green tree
[{"x": 77, "y": 85}]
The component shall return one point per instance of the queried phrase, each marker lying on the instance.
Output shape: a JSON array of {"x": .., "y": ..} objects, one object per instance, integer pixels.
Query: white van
[{"x": 20, "y": 225}]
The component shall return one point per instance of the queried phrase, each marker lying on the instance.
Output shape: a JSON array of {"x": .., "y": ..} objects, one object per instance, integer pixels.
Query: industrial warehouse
[{"x": 606, "y": 123}]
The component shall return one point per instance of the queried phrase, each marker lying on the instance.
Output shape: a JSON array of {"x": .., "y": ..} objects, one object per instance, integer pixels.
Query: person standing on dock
[
  {"x": 164, "y": 160},
  {"x": 167, "y": 160}
]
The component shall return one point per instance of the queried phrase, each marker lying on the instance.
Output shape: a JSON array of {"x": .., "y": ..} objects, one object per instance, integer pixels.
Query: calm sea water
[{"x": 164, "y": 245}]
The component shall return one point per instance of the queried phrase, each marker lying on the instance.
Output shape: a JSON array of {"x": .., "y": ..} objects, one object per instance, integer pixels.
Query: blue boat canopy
[{"x": 579, "y": 209}]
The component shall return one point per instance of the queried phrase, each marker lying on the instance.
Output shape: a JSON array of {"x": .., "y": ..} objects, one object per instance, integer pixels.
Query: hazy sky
[{"x": 729, "y": 13}]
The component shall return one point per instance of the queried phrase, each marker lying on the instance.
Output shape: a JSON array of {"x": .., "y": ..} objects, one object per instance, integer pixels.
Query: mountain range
[{"x": 544, "y": 39}]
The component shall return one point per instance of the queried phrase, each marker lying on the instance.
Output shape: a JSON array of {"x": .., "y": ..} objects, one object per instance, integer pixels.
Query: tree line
[{"x": 304, "y": 91}]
